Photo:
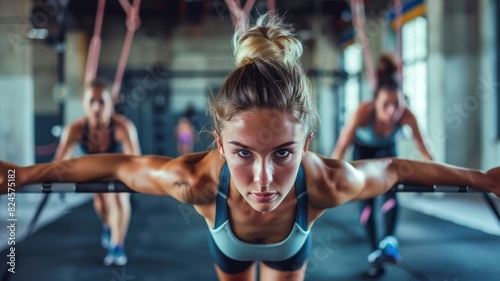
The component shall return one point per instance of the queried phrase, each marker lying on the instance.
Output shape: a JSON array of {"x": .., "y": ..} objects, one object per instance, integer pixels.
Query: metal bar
[
  {"x": 400, "y": 187},
  {"x": 71, "y": 187},
  {"x": 110, "y": 187}
]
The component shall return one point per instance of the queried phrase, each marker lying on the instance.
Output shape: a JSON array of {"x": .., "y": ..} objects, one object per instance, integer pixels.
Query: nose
[
  {"x": 95, "y": 107},
  {"x": 391, "y": 110},
  {"x": 263, "y": 173}
]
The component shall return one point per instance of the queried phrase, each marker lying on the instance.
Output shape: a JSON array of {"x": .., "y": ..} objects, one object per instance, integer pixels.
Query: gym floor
[{"x": 167, "y": 241}]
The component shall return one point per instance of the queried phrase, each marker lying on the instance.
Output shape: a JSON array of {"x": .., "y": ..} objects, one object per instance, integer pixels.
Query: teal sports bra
[
  {"x": 236, "y": 249},
  {"x": 366, "y": 135}
]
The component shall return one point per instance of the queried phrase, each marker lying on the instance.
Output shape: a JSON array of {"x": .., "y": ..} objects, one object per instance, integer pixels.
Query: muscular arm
[
  {"x": 345, "y": 139},
  {"x": 130, "y": 138},
  {"x": 185, "y": 178},
  {"x": 67, "y": 142},
  {"x": 334, "y": 182},
  {"x": 348, "y": 132},
  {"x": 375, "y": 177},
  {"x": 409, "y": 118}
]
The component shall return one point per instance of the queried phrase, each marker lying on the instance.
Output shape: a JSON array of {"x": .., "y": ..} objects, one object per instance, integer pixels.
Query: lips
[{"x": 264, "y": 197}]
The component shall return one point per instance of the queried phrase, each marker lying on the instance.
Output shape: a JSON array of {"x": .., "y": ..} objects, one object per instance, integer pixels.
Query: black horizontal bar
[
  {"x": 110, "y": 187},
  {"x": 400, "y": 187},
  {"x": 71, "y": 187}
]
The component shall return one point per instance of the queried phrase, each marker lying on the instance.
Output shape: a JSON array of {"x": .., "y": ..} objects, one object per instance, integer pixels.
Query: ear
[
  {"x": 308, "y": 140},
  {"x": 218, "y": 139}
]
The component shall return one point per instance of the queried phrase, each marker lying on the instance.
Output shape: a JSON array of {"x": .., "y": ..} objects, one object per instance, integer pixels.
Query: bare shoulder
[
  {"x": 122, "y": 123},
  {"x": 124, "y": 128},
  {"x": 326, "y": 179},
  {"x": 365, "y": 106},
  {"x": 73, "y": 131},
  {"x": 202, "y": 176},
  {"x": 407, "y": 117},
  {"x": 77, "y": 125}
]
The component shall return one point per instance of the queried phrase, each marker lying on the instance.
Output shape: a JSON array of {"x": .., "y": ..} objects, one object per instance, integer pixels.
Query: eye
[
  {"x": 283, "y": 153},
  {"x": 244, "y": 153}
]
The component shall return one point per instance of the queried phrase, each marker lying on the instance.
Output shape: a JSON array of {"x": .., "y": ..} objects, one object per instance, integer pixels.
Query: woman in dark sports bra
[
  {"x": 103, "y": 131},
  {"x": 372, "y": 131}
]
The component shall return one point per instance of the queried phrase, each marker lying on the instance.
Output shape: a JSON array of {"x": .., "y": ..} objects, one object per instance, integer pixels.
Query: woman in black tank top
[
  {"x": 86, "y": 144},
  {"x": 102, "y": 131}
]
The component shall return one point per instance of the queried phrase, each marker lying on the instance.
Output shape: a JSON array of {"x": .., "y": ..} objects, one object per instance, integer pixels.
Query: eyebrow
[{"x": 250, "y": 148}]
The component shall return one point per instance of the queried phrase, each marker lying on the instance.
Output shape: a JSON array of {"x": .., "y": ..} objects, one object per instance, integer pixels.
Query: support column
[{"x": 16, "y": 83}]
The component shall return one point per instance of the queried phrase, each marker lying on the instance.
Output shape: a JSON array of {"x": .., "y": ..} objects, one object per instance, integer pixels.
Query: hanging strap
[
  {"x": 271, "y": 8},
  {"x": 133, "y": 22},
  {"x": 95, "y": 45},
  {"x": 358, "y": 20},
  {"x": 239, "y": 16}
]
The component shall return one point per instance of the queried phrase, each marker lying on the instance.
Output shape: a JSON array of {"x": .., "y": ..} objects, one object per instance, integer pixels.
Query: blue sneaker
[
  {"x": 116, "y": 255},
  {"x": 105, "y": 237},
  {"x": 120, "y": 256},
  {"x": 377, "y": 264},
  {"x": 390, "y": 249}
]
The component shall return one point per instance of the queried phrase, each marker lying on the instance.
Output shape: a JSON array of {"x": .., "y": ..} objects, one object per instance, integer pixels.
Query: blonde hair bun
[{"x": 269, "y": 40}]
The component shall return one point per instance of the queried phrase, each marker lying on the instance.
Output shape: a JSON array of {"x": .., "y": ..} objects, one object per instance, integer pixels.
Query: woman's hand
[
  {"x": 494, "y": 175},
  {"x": 8, "y": 176}
]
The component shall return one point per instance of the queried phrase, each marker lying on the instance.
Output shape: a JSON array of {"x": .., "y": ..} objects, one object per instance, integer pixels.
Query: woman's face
[
  {"x": 388, "y": 105},
  {"x": 97, "y": 104},
  {"x": 263, "y": 149}
]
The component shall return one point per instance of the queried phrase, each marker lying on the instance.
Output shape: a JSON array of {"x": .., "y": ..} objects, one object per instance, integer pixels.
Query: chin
[{"x": 264, "y": 207}]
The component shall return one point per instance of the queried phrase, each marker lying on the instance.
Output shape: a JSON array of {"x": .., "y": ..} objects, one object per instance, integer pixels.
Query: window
[
  {"x": 353, "y": 62},
  {"x": 497, "y": 58},
  {"x": 414, "y": 39}
]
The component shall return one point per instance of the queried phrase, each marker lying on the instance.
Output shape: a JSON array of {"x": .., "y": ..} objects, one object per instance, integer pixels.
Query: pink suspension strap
[
  {"x": 358, "y": 20},
  {"x": 239, "y": 16},
  {"x": 271, "y": 7},
  {"x": 95, "y": 45},
  {"x": 133, "y": 22}
]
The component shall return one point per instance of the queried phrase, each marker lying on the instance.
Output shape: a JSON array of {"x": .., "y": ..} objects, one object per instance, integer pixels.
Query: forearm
[
  {"x": 432, "y": 173},
  {"x": 379, "y": 176},
  {"x": 427, "y": 156},
  {"x": 345, "y": 140},
  {"x": 82, "y": 169},
  {"x": 338, "y": 153},
  {"x": 424, "y": 152}
]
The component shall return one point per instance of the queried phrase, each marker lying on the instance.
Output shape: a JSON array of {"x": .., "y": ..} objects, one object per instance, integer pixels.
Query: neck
[
  {"x": 381, "y": 121},
  {"x": 98, "y": 124}
]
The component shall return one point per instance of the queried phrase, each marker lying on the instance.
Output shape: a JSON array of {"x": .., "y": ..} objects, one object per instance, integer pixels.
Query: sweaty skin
[{"x": 263, "y": 170}]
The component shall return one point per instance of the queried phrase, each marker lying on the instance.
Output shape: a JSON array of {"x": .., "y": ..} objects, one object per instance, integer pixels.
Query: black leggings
[{"x": 379, "y": 215}]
